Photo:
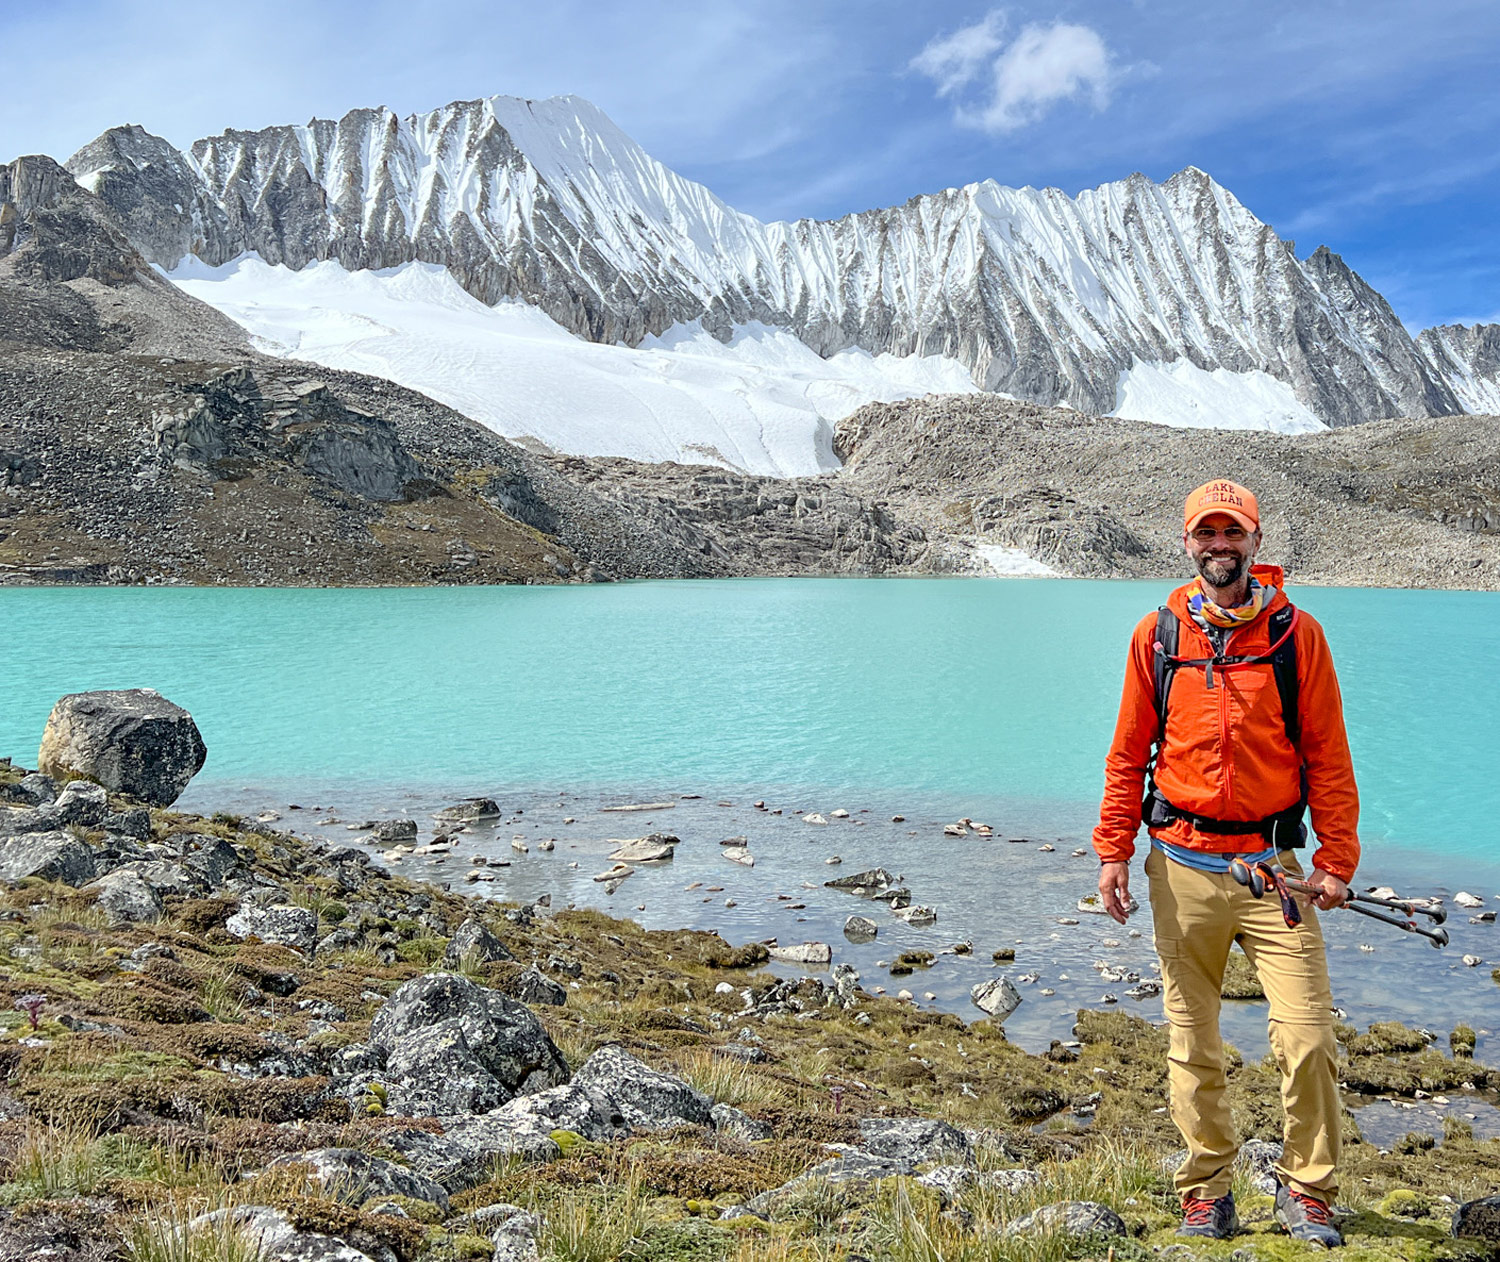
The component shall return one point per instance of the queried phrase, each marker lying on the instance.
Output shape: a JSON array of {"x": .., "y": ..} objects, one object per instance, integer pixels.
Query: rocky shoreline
[{"x": 220, "y": 1032}]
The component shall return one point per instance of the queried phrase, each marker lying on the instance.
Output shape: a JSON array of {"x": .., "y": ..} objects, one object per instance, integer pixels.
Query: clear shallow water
[{"x": 932, "y": 698}]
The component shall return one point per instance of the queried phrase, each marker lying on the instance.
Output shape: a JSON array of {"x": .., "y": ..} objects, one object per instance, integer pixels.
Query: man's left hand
[{"x": 1332, "y": 892}]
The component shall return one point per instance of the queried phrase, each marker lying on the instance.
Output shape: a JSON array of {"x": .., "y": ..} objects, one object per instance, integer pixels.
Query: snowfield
[
  {"x": 1182, "y": 394},
  {"x": 764, "y": 404}
]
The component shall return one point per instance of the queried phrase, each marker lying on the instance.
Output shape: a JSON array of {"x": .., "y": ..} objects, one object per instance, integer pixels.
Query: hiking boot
[
  {"x": 1213, "y": 1217},
  {"x": 1306, "y": 1218}
]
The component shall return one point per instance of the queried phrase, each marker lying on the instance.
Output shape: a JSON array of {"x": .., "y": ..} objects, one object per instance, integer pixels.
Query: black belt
[{"x": 1284, "y": 830}]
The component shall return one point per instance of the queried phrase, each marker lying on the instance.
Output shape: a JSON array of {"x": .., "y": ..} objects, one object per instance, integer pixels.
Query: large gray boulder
[
  {"x": 55, "y": 856},
  {"x": 131, "y": 741},
  {"x": 355, "y": 1177}
]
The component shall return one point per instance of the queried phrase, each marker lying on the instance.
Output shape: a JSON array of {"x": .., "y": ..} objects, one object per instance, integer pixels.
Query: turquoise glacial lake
[
  {"x": 991, "y": 691},
  {"x": 928, "y": 699}
]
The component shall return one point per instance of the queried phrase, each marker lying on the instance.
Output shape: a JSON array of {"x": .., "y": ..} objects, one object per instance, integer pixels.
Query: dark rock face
[
  {"x": 132, "y": 741},
  {"x": 55, "y": 856},
  {"x": 229, "y": 419}
]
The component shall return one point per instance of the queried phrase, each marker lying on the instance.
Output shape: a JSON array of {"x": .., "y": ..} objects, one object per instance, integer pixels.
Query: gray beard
[{"x": 1221, "y": 573}]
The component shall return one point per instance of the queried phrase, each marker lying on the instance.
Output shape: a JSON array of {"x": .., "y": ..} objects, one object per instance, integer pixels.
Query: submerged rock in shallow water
[{"x": 997, "y": 997}]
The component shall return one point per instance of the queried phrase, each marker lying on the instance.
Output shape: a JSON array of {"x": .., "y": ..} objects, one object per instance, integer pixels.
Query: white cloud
[
  {"x": 1041, "y": 67},
  {"x": 953, "y": 61}
]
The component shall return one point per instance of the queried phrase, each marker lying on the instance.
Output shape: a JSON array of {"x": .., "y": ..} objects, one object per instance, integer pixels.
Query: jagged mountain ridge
[{"x": 1041, "y": 295}]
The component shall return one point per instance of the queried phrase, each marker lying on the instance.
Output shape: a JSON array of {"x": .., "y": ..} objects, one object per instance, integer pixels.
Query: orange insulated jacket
[{"x": 1226, "y": 755}]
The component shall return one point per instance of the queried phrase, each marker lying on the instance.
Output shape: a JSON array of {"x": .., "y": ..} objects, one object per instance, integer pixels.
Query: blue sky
[{"x": 1367, "y": 126}]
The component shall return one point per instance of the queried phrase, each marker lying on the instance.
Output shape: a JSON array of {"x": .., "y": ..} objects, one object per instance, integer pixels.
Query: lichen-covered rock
[
  {"x": 914, "y": 1140},
  {"x": 646, "y": 1097},
  {"x": 432, "y": 1072},
  {"x": 728, "y": 1120},
  {"x": 277, "y": 1238},
  {"x": 502, "y": 1036},
  {"x": 131, "y": 741},
  {"x": 860, "y": 929},
  {"x": 54, "y": 856},
  {"x": 394, "y": 830},
  {"x": 80, "y": 803},
  {"x": 32, "y": 789},
  {"x": 355, "y": 1177},
  {"x": 854, "y": 1166},
  {"x": 295, "y": 927},
  {"x": 472, "y": 939},
  {"x": 1071, "y": 1218},
  {"x": 533, "y": 988},
  {"x": 125, "y": 898},
  {"x": 949, "y": 1182}
]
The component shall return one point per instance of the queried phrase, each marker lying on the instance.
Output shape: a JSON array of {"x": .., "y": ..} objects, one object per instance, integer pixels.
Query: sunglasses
[{"x": 1206, "y": 534}]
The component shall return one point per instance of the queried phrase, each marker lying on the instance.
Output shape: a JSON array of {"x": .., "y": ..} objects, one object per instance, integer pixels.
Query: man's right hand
[{"x": 1114, "y": 889}]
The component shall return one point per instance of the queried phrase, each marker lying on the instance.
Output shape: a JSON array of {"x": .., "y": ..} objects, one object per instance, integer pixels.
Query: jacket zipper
[{"x": 1226, "y": 749}]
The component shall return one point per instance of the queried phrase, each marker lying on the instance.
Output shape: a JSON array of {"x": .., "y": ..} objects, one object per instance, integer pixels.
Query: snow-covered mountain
[{"x": 1131, "y": 297}]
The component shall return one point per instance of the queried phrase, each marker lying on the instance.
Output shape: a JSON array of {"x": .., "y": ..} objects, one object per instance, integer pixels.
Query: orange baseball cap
[{"x": 1221, "y": 496}]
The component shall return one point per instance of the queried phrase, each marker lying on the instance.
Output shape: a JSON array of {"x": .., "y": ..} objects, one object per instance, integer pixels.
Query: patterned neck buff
[{"x": 1209, "y": 614}]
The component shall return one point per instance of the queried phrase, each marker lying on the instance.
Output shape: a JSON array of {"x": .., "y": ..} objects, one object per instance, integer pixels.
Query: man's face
[{"x": 1221, "y": 549}]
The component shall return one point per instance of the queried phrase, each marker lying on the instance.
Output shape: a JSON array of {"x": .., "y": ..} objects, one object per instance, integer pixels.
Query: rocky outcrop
[
  {"x": 131, "y": 741},
  {"x": 231, "y": 420},
  {"x": 296, "y": 927}
]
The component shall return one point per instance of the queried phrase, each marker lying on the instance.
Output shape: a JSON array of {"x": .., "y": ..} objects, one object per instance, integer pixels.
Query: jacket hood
[{"x": 1268, "y": 575}]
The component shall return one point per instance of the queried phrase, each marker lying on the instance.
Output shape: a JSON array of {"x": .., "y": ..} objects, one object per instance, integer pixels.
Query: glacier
[{"x": 763, "y": 403}]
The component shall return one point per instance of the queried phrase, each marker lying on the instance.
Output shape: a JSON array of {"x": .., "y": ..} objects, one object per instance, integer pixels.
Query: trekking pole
[
  {"x": 1438, "y": 937},
  {"x": 1260, "y": 876}
]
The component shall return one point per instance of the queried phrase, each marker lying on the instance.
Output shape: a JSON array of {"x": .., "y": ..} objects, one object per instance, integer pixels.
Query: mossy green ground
[{"x": 142, "y": 1121}]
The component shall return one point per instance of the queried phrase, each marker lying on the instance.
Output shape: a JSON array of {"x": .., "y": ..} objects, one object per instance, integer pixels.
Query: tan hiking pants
[{"x": 1197, "y": 916}]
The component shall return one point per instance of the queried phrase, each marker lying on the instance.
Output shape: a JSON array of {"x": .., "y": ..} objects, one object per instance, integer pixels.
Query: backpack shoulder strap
[
  {"x": 1164, "y": 666},
  {"x": 1284, "y": 664}
]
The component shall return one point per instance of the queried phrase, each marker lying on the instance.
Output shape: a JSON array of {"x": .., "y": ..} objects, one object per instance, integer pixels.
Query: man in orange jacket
[{"x": 1227, "y": 760}]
